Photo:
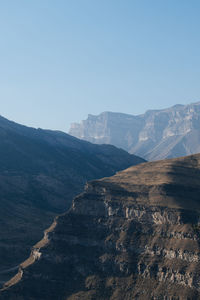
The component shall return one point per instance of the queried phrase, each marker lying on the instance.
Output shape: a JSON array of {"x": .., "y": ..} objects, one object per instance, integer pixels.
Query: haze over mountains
[
  {"x": 157, "y": 134},
  {"x": 40, "y": 173},
  {"x": 135, "y": 235}
]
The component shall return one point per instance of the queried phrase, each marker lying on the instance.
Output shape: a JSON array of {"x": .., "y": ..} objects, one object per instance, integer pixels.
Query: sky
[{"x": 62, "y": 60}]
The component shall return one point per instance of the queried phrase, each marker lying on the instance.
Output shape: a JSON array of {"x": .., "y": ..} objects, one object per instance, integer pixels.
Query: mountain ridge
[
  {"x": 154, "y": 135},
  {"x": 134, "y": 235},
  {"x": 40, "y": 173}
]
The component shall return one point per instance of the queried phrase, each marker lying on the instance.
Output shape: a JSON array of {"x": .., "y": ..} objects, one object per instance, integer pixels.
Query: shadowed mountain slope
[
  {"x": 135, "y": 235},
  {"x": 157, "y": 134},
  {"x": 40, "y": 173}
]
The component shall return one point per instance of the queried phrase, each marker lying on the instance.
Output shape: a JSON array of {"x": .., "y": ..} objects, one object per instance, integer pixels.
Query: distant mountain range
[
  {"x": 135, "y": 235},
  {"x": 40, "y": 173},
  {"x": 155, "y": 135}
]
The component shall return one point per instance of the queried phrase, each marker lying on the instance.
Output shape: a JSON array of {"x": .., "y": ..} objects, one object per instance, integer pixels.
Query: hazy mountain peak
[{"x": 156, "y": 134}]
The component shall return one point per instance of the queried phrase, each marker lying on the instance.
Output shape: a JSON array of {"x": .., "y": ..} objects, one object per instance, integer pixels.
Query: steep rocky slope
[
  {"x": 40, "y": 173},
  {"x": 135, "y": 235},
  {"x": 157, "y": 134}
]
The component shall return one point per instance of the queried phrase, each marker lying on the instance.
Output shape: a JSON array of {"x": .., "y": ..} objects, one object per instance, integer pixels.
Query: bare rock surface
[
  {"x": 40, "y": 173},
  {"x": 155, "y": 135},
  {"x": 135, "y": 235}
]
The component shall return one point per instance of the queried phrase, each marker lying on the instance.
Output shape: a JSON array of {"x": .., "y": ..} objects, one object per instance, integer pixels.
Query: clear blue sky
[{"x": 63, "y": 59}]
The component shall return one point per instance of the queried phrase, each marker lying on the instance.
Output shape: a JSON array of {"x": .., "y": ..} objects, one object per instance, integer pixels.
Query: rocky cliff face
[
  {"x": 40, "y": 173},
  {"x": 135, "y": 235},
  {"x": 157, "y": 134}
]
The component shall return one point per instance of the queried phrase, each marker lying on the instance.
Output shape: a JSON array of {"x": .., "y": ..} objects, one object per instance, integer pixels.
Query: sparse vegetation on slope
[
  {"x": 40, "y": 173},
  {"x": 130, "y": 236}
]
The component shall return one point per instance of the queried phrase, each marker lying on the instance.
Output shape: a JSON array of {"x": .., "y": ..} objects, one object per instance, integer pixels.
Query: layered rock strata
[
  {"x": 41, "y": 171},
  {"x": 157, "y": 134},
  {"x": 131, "y": 236}
]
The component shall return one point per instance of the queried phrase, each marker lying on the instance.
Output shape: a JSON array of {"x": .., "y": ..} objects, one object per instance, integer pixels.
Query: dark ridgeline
[
  {"x": 135, "y": 235},
  {"x": 157, "y": 134},
  {"x": 40, "y": 173}
]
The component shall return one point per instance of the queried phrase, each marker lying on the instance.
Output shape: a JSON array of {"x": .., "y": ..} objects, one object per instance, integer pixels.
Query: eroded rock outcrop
[
  {"x": 135, "y": 235},
  {"x": 157, "y": 134},
  {"x": 41, "y": 171}
]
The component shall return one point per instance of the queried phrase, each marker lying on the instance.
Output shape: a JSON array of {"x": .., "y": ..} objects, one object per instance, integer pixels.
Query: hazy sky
[{"x": 63, "y": 59}]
